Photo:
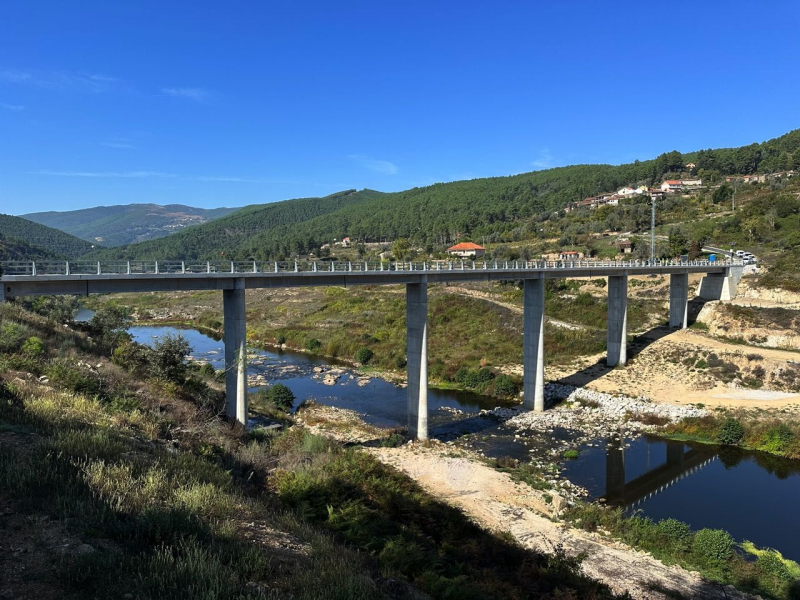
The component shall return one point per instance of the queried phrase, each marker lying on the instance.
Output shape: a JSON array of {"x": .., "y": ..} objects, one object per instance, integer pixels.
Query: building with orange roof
[{"x": 466, "y": 250}]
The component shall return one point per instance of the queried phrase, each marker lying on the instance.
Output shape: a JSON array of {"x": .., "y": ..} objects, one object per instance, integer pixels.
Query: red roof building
[{"x": 467, "y": 249}]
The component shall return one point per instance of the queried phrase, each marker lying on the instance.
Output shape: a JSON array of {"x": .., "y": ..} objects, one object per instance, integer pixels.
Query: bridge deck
[{"x": 59, "y": 277}]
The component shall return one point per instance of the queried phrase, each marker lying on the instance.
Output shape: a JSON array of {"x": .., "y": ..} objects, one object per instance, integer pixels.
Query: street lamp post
[{"x": 653, "y": 228}]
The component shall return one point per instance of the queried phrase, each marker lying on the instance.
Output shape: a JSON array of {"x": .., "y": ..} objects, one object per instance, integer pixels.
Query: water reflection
[{"x": 750, "y": 494}]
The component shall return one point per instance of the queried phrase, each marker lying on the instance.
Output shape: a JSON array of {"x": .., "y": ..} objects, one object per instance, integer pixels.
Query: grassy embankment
[
  {"x": 763, "y": 434},
  {"x": 464, "y": 332},
  {"x": 711, "y": 552},
  {"x": 160, "y": 498}
]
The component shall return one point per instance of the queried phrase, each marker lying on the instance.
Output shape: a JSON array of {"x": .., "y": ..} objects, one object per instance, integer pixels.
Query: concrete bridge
[{"x": 233, "y": 278}]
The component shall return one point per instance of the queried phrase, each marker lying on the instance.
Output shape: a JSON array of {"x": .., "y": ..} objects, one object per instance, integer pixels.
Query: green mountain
[
  {"x": 494, "y": 208},
  {"x": 231, "y": 234},
  {"x": 129, "y": 223},
  {"x": 52, "y": 242},
  {"x": 14, "y": 249}
]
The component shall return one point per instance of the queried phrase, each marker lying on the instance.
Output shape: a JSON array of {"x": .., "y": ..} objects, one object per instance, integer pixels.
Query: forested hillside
[
  {"x": 434, "y": 215},
  {"x": 230, "y": 234},
  {"x": 14, "y": 249},
  {"x": 126, "y": 224},
  {"x": 44, "y": 238}
]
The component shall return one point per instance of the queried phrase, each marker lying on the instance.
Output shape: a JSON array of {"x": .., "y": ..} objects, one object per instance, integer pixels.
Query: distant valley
[{"x": 127, "y": 224}]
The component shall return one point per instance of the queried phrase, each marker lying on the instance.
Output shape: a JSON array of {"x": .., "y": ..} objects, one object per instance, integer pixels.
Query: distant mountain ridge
[
  {"x": 495, "y": 208},
  {"x": 25, "y": 240},
  {"x": 123, "y": 224}
]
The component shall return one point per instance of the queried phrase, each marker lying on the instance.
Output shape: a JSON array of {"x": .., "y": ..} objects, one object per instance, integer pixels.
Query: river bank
[
  {"x": 589, "y": 423},
  {"x": 499, "y": 503}
]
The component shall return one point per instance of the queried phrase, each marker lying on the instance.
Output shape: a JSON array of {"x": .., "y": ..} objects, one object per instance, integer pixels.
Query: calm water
[{"x": 753, "y": 496}]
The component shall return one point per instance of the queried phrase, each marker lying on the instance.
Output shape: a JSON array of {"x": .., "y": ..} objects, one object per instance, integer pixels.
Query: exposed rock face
[{"x": 722, "y": 321}]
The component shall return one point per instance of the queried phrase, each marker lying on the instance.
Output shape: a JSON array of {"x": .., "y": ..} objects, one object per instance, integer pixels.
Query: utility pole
[{"x": 653, "y": 228}]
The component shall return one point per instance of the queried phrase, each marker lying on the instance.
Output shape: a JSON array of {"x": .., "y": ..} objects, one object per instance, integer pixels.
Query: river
[{"x": 751, "y": 495}]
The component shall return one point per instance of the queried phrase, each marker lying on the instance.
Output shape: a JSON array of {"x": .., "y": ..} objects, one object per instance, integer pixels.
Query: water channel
[{"x": 751, "y": 495}]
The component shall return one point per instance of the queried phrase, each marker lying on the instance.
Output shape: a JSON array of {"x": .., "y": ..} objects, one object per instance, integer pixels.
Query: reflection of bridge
[
  {"x": 679, "y": 465},
  {"x": 59, "y": 277}
]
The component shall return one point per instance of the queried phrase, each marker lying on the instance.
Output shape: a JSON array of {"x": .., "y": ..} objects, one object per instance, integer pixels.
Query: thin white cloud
[
  {"x": 61, "y": 80},
  {"x": 106, "y": 174},
  {"x": 120, "y": 144},
  {"x": 545, "y": 160},
  {"x": 195, "y": 94},
  {"x": 373, "y": 164},
  {"x": 15, "y": 76},
  {"x": 229, "y": 179},
  {"x": 179, "y": 178},
  {"x": 12, "y": 107}
]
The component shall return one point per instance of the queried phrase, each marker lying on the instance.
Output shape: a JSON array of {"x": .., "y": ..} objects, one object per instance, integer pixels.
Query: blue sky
[{"x": 233, "y": 103}]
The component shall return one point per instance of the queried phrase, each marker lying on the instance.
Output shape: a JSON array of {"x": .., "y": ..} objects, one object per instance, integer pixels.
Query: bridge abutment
[
  {"x": 617, "y": 336},
  {"x": 720, "y": 286},
  {"x": 679, "y": 300},
  {"x": 233, "y": 306},
  {"x": 533, "y": 345},
  {"x": 417, "y": 358}
]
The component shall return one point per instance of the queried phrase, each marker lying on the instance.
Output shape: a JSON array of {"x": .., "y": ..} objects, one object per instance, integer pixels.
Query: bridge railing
[{"x": 172, "y": 267}]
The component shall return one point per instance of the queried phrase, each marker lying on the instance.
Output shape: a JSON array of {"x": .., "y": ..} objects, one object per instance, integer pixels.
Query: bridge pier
[
  {"x": 679, "y": 300},
  {"x": 233, "y": 307},
  {"x": 533, "y": 345},
  {"x": 417, "y": 357},
  {"x": 617, "y": 335}
]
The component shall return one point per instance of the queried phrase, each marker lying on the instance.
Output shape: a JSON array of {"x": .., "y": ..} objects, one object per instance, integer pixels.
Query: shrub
[
  {"x": 571, "y": 454},
  {"x": 400, "y": 361},
  {"x": 679, "y": 533},
  {"x": 281, "y": 340},
  {"x": 364, "y": 355},
  {"x": 461, "y": 375},
  {"x": 485, "y": 375},
  {"x": 505, "y": 386},
  {"x": 701, "y": 364},
  {"x": 777, "y": 439},
  {"x": 771, "y": 562},
  {"x": 130, "y": 356},
  {"x": 109, "y": 326},
  {"x": 313, "y": 344},
  {"x": 730, "y": 432},
  {"x": 713, "y": 544},
  {"x": 281, "y": 396},
  {"x": 68, "y": 376},
  {"x": 166, "y": 358},
  {"x": 11, "y": 336},
  {"x": 471, "y": 380},
  {"x": 33, "y": 347}
]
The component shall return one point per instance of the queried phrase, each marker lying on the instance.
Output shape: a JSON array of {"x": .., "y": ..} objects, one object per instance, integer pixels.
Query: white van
[{"x": 740, "y": 253}]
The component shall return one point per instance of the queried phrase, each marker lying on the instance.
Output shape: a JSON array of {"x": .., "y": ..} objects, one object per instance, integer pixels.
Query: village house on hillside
[{"x": 467, "y": 250}]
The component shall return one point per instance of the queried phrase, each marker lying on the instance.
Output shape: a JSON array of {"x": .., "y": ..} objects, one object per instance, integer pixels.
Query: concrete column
[
  {"x": 533, "y": 345},
  {"x": 679, "y": 300},
  {"x": 417, "y": 353},
  {"x": 235, "y": 352},
  {"x": 617, "y": 320}
]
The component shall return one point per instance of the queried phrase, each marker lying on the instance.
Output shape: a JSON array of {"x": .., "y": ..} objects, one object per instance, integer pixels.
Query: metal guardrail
[{"x": 139, "y": 267}]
